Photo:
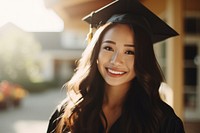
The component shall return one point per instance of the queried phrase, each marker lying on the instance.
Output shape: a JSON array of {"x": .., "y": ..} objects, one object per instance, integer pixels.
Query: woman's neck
[
  {"x": 113, "y": 103},
  {"x": 115, "y": 95}
]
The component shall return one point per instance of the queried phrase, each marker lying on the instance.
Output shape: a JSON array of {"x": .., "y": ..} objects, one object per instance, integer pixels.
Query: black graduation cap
[{"x": 131, "y": 12}]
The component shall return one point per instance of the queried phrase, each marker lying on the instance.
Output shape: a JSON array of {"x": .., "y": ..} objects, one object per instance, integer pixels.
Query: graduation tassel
[{"x": 90, "y": 34}]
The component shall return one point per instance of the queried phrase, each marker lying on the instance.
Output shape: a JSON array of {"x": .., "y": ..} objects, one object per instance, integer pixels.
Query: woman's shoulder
[
  {"x": 64, "y": 108},
  {"x": 56, "y": 116},
  {"x": 171, "y": 122}
]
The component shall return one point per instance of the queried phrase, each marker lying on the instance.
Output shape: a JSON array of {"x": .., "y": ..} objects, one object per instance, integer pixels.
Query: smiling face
[{"x": 116, "y": 55}]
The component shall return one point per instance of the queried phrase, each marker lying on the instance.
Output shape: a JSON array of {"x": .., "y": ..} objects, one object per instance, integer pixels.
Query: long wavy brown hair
[{"x": 141, "y": 112}]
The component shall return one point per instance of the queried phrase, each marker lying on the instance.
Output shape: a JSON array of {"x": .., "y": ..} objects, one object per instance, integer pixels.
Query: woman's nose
[{"x": 116, "y": 58}]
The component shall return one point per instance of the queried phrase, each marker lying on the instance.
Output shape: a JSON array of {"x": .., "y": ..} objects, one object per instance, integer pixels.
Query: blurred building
[{"x": 59, "y": 53}]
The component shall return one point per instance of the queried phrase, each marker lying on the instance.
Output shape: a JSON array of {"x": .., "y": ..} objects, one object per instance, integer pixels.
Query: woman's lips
[{"x": 115, "y": 73}]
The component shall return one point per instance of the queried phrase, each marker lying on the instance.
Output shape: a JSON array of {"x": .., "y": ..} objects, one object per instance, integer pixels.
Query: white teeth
[{"x": 115, "y": 72}]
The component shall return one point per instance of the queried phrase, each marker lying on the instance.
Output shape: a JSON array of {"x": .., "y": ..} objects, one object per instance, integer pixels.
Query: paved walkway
[{"x": 33, "y": 115}]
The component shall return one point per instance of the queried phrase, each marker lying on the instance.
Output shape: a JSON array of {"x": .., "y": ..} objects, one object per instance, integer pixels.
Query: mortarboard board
[{"x": 131, "y": 12}]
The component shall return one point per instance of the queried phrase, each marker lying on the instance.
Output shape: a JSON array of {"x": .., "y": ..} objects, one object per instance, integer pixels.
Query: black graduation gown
[{"x": 170, "y": 124}]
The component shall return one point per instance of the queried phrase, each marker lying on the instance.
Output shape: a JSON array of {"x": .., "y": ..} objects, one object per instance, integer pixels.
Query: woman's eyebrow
[
  {"x": 129, "y": 45},
  {"x": 112, "y": 42},
  {"x": 109, "y": 41}
]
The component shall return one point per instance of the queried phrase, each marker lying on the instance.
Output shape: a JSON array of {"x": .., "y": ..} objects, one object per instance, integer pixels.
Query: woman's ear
[{"x": 97, "y": 61}]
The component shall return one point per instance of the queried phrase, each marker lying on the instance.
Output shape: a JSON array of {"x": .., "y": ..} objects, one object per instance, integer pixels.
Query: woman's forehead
[{"x": 121, "y": 32}]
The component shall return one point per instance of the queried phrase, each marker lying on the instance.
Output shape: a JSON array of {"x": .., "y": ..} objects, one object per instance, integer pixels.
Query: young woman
[{"x": 115, "y": 87}]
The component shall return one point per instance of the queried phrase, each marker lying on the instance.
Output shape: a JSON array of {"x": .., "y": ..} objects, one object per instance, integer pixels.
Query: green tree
[{"x": 19, "y": 54}]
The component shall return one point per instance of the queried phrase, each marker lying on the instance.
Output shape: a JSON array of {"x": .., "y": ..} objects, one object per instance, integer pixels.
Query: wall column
[{"x": 175, "y": 75}]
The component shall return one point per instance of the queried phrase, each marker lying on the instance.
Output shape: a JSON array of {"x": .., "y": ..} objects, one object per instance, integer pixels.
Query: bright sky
[{"x": 30, "y": 15}]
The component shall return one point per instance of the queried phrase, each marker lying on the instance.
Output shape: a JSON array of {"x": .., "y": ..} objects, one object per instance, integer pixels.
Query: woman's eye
[
  {"x": 108, "y": 48},
  {"x": 130, "y": 52}
]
